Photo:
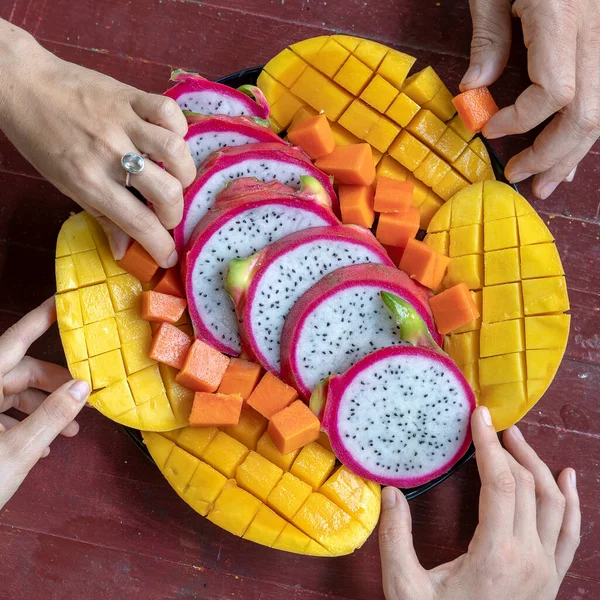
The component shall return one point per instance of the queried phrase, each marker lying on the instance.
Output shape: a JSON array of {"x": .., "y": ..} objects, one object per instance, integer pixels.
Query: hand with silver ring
[{"x": 78, "y": 131}]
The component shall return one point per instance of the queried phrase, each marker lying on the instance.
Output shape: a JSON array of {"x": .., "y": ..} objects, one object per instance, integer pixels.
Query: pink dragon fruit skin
[
  {"x": 265, "y": 161},
  {"x": 400, "y": 416},
  {"x": 210, "y": 134},
  {"x": 311, "y": 254},
  {"x": 198, "y": 95},
  {"x": 247, "y": 216},
  {"x": 351, "y": 294}
]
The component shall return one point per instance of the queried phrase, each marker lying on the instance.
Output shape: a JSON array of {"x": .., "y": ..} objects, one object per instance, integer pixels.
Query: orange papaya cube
[
  {"x": 475, "y": 108},
  {"x": 293, "y": 427},
  {"x": 356, "y": 205},
  {"x": 313, "y": 135},
  {"x": 424, "y": 264},
  {"x": 392, "y": 195},
  {"x": 139, "y": 263},
  {"x": 162, "y": 307},
  {"x": 240, "y": 378},
  {"x": 216, "y": 410},
  {"x": 351, "y": 164},
  {"x": 170, "y": 345},
  {"x": 170, "y": 283},
  {"x": 271, "y": 395},
  {"x": 396, "y": 229},
  {"x": 453, "y": 308},
  {"x": 203, "y": 368}
]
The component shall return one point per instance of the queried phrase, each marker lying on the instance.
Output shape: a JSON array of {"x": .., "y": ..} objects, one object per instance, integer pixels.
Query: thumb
[
  {"x": 399, "y": 563},
  {"x": 490, "y": 45},
  {"x": 118, "y": 240}
]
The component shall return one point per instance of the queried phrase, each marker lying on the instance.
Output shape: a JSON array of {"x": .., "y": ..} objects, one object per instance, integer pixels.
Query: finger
[
  {"x": 165, "y": 147},
  {"x": 570, "y": 532},
  {"x": 28, "y": 401},
  {"x": 490, "y": 45},
  {"x": 550, "y": 501},
  {"x": 16, "y": 340},
  {"x": 8, "y": 422},
  {"x": 399, "y": 563},
  {"x": 118, "y": 240},
  {"x": 163, "y": 191},
  {"x": 525, "y": 503},
  {"x": 161, "y": 111},
  {"x": 34, "y": 373},
  {"x": 497, "y": 497},
  {"x": 36, "y": 432}
]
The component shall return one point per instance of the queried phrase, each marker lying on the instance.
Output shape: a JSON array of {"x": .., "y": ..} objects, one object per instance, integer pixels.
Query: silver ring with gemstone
[{"x": 133, "y": 164}]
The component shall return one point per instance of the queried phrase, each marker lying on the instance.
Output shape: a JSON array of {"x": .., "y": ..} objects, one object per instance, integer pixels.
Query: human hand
[
  {"x": 23, "y": 381},
  {"x": 74, "y": 125},
  {"x": 563, "y": 41},
  {"x": 526, "y": 538}
]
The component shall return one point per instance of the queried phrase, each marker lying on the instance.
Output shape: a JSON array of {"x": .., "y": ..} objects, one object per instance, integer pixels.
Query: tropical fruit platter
[{"x": 353, "y": 281}]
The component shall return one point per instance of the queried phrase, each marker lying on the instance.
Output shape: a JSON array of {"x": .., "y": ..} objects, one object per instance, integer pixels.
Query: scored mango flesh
[
  {"x": 235, "y": 477},
  {"x": 502, "y": 249},
  {"x": 364, "y": 90},
  {"x": 105, "y": 339}
]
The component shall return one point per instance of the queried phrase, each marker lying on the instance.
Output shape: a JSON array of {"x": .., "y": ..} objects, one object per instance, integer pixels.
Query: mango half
[
  {"x": 105, "y": 340},
  {"x": 501, "y": 248}
]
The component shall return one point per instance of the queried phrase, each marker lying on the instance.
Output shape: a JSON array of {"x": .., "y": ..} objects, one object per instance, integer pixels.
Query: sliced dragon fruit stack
[
  {"x": 209, "y": 134},
  {"x": 265, "y": 162},
  {"x": 400, "y": 416},
  {"x": 266, "y": 286},
  {"x": 196, "y": 94},
  {"x": 246, "y": 217},
  {"x": 341, "y": 319}
]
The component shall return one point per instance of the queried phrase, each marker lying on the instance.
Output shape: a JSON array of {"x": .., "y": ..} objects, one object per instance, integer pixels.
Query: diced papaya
[
  {"x": 293, "y": 427},
  {"x": 350, "y": 164},
  {"x": 475, "y": 108},
  {"x": 170, "y": 283},
  {"x": 159, "y": 307},
  {"x": 424, "y": 263},
  {"x": 241, "y": 377},
  {"x": 453, "y": 308},
  {"x": 356, "y": 205},
  {"x": 396, "y": 229},
  {"x": 392, "y": 195},
  {"x": 203, "y": 369},
  {"x": 170, "y": 345},
  {"x": 271, "y": 395},
  {"x": 139, "y": 263},
  {"x": 313, "y": 135}
]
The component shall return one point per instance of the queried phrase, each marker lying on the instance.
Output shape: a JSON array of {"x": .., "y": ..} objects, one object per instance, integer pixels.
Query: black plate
[{"x": 249, "y": 76}]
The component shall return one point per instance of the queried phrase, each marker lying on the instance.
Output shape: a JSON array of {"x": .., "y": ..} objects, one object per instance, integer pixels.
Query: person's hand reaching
[
  {"x": 526, "y": 538},
  {"x": 23, "y": 383},
  {"x": 74, "y": 125},
  {"x": 563, "y": 42}
]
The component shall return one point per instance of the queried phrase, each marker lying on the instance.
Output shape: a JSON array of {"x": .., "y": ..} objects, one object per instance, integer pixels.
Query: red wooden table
[{"x": 96, "y": 519}]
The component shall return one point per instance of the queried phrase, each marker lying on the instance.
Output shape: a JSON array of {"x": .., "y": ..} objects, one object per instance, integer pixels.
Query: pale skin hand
[
  {"x": 529, "y": 527},
  {"x": 563, "y": 41},
  {"x": 73, "y": 125},
  {"x": 23, "y": 383}
]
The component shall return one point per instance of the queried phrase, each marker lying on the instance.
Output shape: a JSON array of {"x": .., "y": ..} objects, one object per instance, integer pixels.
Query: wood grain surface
[{"x": 96, "y": 519}]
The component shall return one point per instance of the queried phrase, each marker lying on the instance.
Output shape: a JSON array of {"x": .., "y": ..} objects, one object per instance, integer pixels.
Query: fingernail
[
  {"x": 519, "y": 177},
  {"x": 517, "y": 433},
  {"x": 172, "y": 260},
  {"x": 485, "y": 415},
  {"x": 571, "y": 175},
  {"x": 547, "y": 189},
  {"x": 573, "y": 478},
  {"x": 45, "y": 452},
  {"x": 388, "y": 497},
  {"x": 80, "y": 390},
  {"x": 471, "y": 75}
]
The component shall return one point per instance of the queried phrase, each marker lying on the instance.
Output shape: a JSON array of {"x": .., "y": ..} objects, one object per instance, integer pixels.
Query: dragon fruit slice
[
  {"x": 198, "y": 95},
  {"x": 208, "y": 134},
  {"x": 265, "y": 162},
  {"x": 341, "y": 319},
  {"x": 400, "y": 416},
  {"x": 246, "y": 217},
  {"x": 266, "y": 286}
]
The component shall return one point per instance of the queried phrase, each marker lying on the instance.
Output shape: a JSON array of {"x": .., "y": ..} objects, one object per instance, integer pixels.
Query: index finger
[
  {"x": 497, "y": 498},
  {"x": 16, "y": 340}
]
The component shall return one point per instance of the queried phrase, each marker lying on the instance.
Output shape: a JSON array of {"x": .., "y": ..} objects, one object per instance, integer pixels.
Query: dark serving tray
[{"x": 249, "y": 76}]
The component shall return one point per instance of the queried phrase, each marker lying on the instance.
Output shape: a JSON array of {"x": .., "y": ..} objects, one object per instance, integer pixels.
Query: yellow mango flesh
[
  {"x": 501, "y": 248},
  {"x": 365, "y": 90},
  {"x": 243, "y": 491},
  {"x": 104, "y": 337}
]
